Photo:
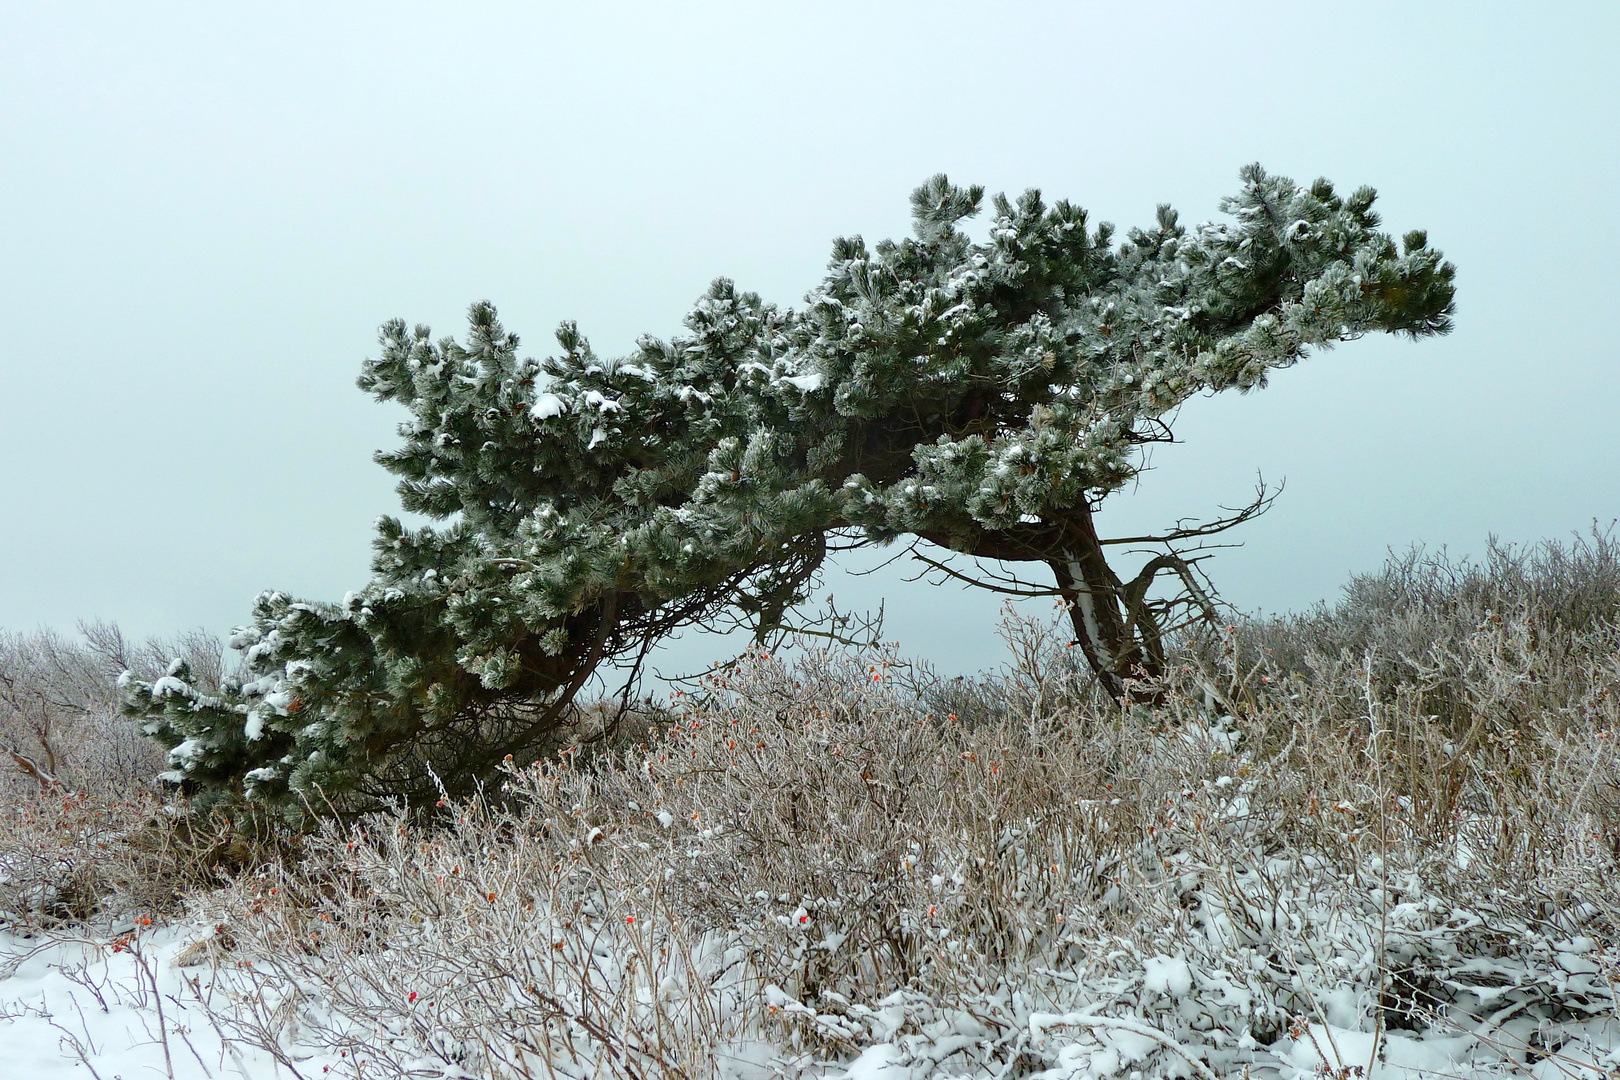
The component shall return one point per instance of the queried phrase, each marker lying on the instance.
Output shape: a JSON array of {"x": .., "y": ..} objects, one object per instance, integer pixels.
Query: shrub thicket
[
  {"x": 1002, "y": 875},
  {"x": 1295, "y": 861},
  {"x": 86, "y": 830}
]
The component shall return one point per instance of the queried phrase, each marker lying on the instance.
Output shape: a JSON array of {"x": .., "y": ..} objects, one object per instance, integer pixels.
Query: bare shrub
[
  {"x": 1393, "y": 829},
  {"x": 1423, "y": 618},
  {"x": 815, "y": 861},
  {"x": 59, "y": 719},
  {"x": 83, "y": 830},
  {"x": 67, "y": 857}
]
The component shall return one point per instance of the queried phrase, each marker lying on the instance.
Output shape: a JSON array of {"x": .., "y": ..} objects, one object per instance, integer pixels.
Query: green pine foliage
[{"x": 982, "y": 396}]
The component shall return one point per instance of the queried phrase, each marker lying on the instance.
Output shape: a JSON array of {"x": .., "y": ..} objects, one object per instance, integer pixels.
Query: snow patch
[
  {"x": 548, "y": 405},
  {"x": 1167, "y": 975}
]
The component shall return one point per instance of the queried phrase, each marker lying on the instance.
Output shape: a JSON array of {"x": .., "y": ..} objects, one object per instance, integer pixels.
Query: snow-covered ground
[
  {"x": 109, "y": 1006},
  {"x": 120, "y": 1007}
]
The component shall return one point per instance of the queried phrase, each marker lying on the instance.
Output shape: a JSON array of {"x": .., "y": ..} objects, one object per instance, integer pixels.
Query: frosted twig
[{"x": 1038, "y": 1022}]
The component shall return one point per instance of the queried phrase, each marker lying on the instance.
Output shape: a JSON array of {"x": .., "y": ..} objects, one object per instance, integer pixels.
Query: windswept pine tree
[{"x": 984, "y": 397}]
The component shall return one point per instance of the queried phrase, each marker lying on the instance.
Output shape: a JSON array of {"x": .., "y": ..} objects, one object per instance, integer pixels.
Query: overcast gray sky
[{"x": 207, "y": 209}]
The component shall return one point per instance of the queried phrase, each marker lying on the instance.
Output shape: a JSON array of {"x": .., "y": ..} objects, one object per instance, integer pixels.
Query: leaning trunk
[{"x": 1119, "y": 636}]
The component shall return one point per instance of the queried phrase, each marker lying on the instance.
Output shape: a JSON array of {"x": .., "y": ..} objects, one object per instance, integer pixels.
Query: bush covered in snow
[
  {"x": 812, "y": 872},
  {"x": 1382, "y": 837}
]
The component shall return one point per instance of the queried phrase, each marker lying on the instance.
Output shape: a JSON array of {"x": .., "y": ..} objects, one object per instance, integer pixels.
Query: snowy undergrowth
[
  {"x": 814, "y": 874},
  {"x": 842, "y": 868},
  {"x": 111, "y": 1003}
]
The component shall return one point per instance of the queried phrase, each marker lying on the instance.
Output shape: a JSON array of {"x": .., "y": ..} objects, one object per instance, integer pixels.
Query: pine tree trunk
[{"x": 1120, "y": 644}]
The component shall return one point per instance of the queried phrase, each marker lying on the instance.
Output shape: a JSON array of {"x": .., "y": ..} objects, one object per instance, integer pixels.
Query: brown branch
[
  {"x": 1260, "y": 505},
  {"x": 33, "y": 768},
  {"x": 1024, "y": 542},
  {"x": 978, "y": 583},
  {"x": 605, "y": 624}
]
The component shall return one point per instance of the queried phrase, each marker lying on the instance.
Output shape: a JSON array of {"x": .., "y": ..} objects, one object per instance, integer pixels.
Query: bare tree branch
[{"x": 1262, "y": 502}]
